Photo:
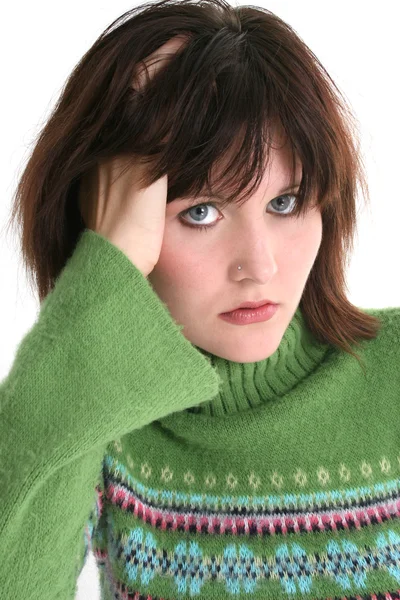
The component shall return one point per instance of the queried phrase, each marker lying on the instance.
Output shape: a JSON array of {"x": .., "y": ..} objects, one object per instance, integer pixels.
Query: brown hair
[{"x": 241, "y": 71}]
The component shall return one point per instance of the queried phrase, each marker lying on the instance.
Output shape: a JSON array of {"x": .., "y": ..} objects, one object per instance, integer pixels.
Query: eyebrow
[{"x": 218, "y": 198}]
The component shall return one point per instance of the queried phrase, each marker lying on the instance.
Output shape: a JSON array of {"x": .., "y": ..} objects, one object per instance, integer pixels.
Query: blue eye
[{"x": 199, "y": 209}]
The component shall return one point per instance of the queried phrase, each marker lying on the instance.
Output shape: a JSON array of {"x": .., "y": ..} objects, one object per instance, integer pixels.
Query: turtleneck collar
[{"x": 248, "y": 385}]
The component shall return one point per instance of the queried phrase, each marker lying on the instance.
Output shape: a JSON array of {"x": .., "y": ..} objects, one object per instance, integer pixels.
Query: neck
[{"x": 247, "y": 385}]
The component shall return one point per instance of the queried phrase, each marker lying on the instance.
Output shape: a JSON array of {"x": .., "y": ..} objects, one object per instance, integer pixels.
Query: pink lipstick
[{"x": 245, "y": 316}]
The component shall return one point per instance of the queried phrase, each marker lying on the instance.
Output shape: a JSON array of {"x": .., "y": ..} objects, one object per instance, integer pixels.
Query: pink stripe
[{"x": 241, "y": 525}]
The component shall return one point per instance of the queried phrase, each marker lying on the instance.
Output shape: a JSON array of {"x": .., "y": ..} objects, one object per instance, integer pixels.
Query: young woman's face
[{"x": 197, "y": 275}]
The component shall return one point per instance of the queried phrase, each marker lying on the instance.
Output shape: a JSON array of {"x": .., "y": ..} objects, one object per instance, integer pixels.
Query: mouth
[
  {"x": 250, "y": 305},
  {"x": 247, "y": 316}
]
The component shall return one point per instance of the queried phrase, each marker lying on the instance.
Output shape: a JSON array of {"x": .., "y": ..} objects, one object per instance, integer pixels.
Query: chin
[{"x": 240, "y": 355}]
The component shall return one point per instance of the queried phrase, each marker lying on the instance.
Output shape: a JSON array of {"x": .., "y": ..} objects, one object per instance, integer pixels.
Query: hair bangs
[{"x": 219, "y": 112}]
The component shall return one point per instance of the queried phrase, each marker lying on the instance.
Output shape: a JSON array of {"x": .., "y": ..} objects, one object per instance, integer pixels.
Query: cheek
[
  {"x": 312, "y": 238},
  {"x": 186, "y": 268},
  {"x": 301, "y": 247}
]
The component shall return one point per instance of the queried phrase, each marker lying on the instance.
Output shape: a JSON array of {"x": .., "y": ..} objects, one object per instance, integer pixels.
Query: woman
[{"x": 198, "y": 450}]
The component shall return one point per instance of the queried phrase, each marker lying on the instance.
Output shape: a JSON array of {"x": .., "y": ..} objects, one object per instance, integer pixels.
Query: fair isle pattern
[
  {"x": 122, "y": 592},
  {"x": 360, "y": 506},
  {"x": 237, "y": 568}
]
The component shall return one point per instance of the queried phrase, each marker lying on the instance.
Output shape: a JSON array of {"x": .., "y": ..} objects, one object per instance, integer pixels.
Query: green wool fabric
[{"x": 188, "y": 475}]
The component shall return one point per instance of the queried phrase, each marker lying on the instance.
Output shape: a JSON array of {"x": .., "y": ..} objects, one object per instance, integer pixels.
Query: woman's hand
[{"x": 129, "y": 216}]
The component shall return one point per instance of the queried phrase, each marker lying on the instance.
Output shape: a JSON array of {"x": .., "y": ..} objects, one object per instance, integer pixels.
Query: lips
[{"x": 251, "y": 304}]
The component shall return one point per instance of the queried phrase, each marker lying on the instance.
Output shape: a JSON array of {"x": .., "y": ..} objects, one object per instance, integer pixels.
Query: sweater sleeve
[{"x": 103, "y": 358}]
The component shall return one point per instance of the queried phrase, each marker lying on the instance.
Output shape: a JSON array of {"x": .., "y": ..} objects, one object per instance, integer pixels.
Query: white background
[{"x": 357, "y": 42}]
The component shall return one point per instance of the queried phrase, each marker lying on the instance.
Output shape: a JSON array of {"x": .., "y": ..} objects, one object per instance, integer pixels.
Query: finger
[{"x": 147, "y": 68}]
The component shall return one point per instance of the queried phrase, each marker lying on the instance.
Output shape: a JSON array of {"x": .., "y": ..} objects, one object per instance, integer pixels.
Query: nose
[{"x": 254, "y": 251}]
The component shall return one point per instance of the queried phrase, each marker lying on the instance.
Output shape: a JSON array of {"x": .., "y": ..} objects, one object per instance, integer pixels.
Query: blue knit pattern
[{"x": 239, "y": 570}]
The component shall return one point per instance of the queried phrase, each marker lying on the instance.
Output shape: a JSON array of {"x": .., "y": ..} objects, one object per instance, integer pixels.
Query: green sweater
[{"x": 187, "y": 475}]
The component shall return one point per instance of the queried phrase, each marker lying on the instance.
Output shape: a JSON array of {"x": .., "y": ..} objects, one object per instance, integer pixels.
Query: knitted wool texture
[{"x": 187, "y": 475}]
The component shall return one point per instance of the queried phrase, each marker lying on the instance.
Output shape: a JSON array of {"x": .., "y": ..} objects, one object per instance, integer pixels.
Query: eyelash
[{"x": 206, "y": 227}]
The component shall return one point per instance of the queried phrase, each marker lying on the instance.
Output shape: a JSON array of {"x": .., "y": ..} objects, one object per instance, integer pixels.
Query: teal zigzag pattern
[{"x": 239, "y": 570}]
